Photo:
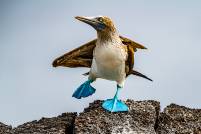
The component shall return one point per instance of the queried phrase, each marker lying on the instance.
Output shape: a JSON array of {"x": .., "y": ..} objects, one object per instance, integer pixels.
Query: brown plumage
[
  {"x": 83, "y": 55},
  {"x": 109, "y": 57}
]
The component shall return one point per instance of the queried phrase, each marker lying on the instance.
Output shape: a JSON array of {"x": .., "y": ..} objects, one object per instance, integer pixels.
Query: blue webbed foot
[
  {"x": 84, "y": 90},
  {"x": 115, "y": 105}
]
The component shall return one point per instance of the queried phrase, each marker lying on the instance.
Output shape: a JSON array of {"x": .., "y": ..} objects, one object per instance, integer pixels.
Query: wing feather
[
  {"x": 83, "y": 55},
  {"x": 133, "y": 44},
  {"x": 130, "y": 59},
  {"x": 79, "y": 57}
]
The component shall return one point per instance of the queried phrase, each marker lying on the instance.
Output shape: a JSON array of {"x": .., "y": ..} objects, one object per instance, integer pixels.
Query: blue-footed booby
[{"x": 110, "y": 57}]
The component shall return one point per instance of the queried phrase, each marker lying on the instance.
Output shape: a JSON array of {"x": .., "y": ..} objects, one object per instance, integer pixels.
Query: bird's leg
[
  {"x": 84, "y": 90},
  {"x": 115, "y": 105}
]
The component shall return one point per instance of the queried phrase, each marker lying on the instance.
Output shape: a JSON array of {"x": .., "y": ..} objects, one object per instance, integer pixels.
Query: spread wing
[
  {"x": 79, "y": 57},
  {"x": 131, "y": 49},
  {"x": 130, "y": 59},
  {"x": 130, "y": 64},
  {"x": 83, "y": 55},
  {"x": 131, "y": 43}
]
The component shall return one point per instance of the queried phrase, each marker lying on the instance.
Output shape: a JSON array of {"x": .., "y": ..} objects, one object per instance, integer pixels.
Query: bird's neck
[{"x": 108, "y": 36}]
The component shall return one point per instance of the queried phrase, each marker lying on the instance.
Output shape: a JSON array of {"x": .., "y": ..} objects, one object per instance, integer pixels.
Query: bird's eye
[{"x": 100, "y": 19}]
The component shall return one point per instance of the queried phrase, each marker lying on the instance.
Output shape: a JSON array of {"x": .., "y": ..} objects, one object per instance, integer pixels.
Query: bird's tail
[
  {"x": 131, "y": 72},
  {"x": 140, "y": 75}
]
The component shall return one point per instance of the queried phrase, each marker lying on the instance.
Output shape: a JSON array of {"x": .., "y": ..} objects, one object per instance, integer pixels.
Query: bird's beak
[
  {"x": 91, "y": 21},
  {"x": 88, "y": 20}
]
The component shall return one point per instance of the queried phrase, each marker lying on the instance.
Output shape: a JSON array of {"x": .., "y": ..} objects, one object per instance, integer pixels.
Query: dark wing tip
[
  {"x": 133, "y": 43},
  {"x": 54, "y": 63},
  {"x": 144, "y": 47}
]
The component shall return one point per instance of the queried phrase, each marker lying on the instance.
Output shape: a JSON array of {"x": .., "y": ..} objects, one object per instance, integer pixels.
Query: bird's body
[{"x": 110, "y": 57}]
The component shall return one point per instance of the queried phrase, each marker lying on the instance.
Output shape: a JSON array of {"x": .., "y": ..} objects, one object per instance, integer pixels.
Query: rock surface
[
  {"x": 63, "y": 124},
  {"x": 141, "y": 118},
  {"x": 4, "y": 129},
  {"x": 179, "y": 120},
  {"x": 144, "y": 117}
]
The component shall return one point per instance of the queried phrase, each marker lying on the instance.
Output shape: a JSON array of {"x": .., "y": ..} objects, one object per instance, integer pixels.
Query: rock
[
  {"x": 4, "y": 129},
  {"x": 141, "y": 118},
  {"x": 62, "y": 124},
  {"x": 179, "y": 120},
  {"x": 144, "y": 117}
]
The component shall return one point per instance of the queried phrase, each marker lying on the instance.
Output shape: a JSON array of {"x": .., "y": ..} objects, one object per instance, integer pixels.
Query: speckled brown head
[{"x": 100, "y": 23}]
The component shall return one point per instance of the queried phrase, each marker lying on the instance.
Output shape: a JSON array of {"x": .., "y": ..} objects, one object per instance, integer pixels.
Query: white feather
[{"x": 109, "y": 61}]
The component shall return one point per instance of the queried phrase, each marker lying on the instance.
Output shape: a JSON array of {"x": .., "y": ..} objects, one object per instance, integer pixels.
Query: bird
[{"x": 110, "y": 56}]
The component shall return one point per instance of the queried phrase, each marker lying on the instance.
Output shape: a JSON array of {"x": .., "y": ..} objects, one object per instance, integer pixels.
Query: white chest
[
  {"x": 109, "y": 55},
  {"x": 109, "y": 61}
]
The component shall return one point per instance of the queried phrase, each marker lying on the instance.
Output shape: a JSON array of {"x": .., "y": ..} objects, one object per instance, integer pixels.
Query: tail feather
[{"x": 140, "y": 75}]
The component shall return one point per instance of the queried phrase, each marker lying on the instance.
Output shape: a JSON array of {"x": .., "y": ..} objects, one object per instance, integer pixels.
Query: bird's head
[{"x": 100, "y": 23}]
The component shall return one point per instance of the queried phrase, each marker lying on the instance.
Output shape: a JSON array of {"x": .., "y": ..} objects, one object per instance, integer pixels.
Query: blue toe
[{"x": 115, "y": 105}]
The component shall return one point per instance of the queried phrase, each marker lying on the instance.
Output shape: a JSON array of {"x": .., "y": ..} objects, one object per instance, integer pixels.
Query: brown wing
[
  {"x": 83, "y": 55},
  {"x": 131, "y": 43},
  {"x": 130, "y": 59},
  {"x": 131, "y": 49},
  {"x": 79, "y": 57}
]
